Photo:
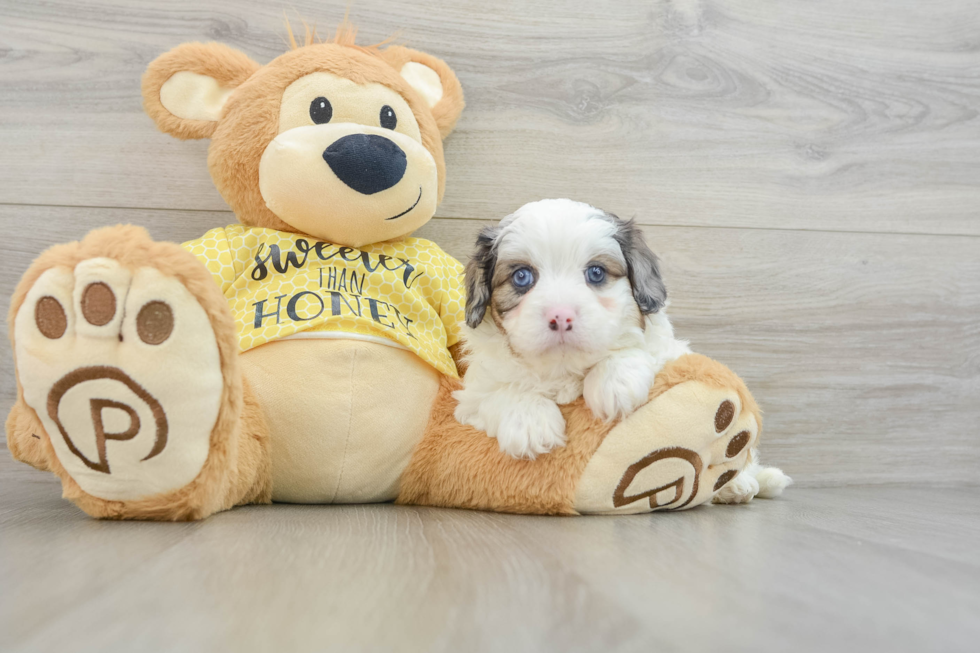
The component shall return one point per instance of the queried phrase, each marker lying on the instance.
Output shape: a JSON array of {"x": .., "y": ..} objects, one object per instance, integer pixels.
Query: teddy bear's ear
[
  {"x": 185, "y": 90},
  {"x": 433, "y": 80}
]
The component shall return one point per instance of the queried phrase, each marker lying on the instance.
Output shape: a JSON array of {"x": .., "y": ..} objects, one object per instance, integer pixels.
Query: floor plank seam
[{"x": 659, "y": 225}]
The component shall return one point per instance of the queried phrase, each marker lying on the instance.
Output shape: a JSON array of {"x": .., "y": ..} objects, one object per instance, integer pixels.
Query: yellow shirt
[{"x": 279, "y": 285}]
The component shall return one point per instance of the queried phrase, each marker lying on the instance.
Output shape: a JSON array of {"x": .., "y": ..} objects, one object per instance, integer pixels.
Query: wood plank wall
[{"x": 808, "y": 171}]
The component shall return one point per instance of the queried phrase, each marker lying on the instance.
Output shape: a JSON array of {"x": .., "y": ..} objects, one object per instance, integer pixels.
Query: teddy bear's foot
[
  {"x": 122, "y": 365},
  {"x": 123, "y": 370},
  {"x": 675, "y": 452}
]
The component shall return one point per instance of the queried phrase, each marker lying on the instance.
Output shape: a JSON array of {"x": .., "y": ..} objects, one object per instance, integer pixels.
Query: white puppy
[
  {"x": 563, "y": 300},
  {"x": 566, "y": 300}
]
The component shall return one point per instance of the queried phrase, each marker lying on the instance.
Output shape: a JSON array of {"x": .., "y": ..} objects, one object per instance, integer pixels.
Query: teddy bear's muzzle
[{"x": 377, "y": 184}]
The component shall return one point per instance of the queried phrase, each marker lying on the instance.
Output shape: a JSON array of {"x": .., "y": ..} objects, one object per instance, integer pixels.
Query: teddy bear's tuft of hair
[{"x": 346, "y": 35}]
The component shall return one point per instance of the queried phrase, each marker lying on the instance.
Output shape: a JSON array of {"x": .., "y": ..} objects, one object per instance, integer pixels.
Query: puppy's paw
[
  {"x": 531, "y": 427},
  {"x": 468, "y": 411},
  {"x": 772, "y": 481},
  {"x": 569, "y": 392},
  {"x": 742, "y": 489},
  {"x": 617, "y": 386}
]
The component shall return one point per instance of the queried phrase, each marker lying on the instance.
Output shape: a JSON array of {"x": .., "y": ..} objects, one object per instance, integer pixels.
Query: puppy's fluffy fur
[
  {"x": 566, "y": 300},
  {"x": 563, "y": 300}
]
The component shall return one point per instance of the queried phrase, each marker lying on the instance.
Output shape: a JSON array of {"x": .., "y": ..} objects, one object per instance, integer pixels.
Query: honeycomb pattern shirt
[{"x": 406, "y": 293}]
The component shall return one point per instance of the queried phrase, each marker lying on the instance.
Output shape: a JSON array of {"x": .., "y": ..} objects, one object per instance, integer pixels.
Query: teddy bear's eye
[
  {"x": 388, "y": 118},
  {"x": 320, "y": 110}
]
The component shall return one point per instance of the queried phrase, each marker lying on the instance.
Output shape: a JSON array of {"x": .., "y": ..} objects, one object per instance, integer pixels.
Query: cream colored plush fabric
[
  {"x": 704, "y": 434},
  {"x": 345, "y": 418},
  {"x": 293, "y": 179},
  {"x": 351, "y": 103},
  {"x": 424, "y": 80},
  {"x": 128, "y": 417},
  {"x": 194, "y": 97}
]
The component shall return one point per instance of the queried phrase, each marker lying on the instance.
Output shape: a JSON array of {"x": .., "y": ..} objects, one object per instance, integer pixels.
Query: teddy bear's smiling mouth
[{"x": 409, "y": 209}]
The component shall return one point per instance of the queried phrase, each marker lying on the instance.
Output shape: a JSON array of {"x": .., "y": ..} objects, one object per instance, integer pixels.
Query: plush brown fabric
[
  {"x": 695, "y": 367},
  {"x": 238, "y": 467},
  {"x": 453, "y": 465},
  {"x": 447, "y": 111},
  {"x": 457, "y": 466},
  {"x": 236, "y": 470},
  {"x": 228, "y": 66},
  {"x": 456, "y": 351},
  {"x": 26, "y": 437},
  {"x": 251, "y": 115}
]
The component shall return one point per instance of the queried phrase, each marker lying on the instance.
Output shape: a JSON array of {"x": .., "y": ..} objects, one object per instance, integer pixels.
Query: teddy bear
[{"x": 308, "y": 353}]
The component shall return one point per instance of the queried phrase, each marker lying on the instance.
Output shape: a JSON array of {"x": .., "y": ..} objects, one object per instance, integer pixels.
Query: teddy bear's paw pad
[
  {"x": 123, "y": 369},
  {"x": 675, "y": 452},
  {"x": 729, "y": 455}
]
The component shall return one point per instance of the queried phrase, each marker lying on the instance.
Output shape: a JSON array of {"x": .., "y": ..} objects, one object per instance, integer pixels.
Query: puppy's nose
[
  {"x": 368, "y": 163},
  {"x": 561, "y": 318}
]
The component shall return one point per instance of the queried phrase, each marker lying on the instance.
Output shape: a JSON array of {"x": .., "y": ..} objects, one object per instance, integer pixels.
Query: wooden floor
[
  {"x": 832, "y": 569},
  {"x": 809, "y": 173}
]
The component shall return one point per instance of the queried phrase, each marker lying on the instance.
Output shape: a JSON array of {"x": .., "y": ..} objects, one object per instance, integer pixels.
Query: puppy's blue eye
[
  {"x": 522, "y": 278},
  {"x": 595, "y": 274}
]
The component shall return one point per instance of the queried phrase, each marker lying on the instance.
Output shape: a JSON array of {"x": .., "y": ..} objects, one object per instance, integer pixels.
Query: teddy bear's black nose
[{"x": 368, "y": 163}]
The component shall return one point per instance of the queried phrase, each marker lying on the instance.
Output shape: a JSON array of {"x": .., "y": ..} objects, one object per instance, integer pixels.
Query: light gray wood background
[{"x": 808, "y": 171}]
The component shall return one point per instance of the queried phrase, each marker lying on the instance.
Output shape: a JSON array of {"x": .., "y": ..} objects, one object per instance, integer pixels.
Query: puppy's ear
[
  {"x": 642, "y": 267},
  {"x": 479, "y": 276}
]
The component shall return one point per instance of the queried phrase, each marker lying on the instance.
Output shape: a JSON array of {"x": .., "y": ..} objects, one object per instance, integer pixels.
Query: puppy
[{"x": 563, "y": 300}]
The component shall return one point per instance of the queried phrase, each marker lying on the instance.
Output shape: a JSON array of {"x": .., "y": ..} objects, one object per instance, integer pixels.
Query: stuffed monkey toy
[{"x": 308, "y": 353}]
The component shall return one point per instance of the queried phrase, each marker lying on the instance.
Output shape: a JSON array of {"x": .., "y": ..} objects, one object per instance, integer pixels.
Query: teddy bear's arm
[{"x": 450, "y": 301}]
